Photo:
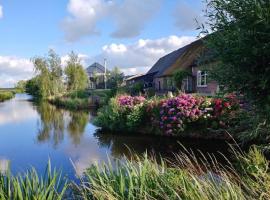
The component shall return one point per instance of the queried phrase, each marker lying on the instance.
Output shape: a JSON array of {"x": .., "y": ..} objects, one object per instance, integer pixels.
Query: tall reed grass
[
  {"x": 31, "y": 186},
  {"x": 187, "y": 178}
]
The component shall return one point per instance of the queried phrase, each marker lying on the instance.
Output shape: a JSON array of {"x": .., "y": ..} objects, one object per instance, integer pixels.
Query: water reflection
[
  {"x": 31, "y": 133},
  {"x": 11, "y": 113},
  {"x": 54, "y": 122},
  {"x": 127, "y": 145},
  {"x": 4, "y": 165}
]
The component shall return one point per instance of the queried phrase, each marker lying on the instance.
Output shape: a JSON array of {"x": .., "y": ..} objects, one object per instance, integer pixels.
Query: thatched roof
[
  {"x": 179, "y": 59},
  {"x": 187, "y": 58}
]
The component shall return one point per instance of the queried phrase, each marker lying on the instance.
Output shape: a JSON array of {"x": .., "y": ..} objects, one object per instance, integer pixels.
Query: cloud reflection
[
  {"x": 4, "y": 165},
  {"x": 12, "y": 112}
]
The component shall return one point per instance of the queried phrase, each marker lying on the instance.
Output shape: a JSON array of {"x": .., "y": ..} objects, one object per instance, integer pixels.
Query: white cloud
[
  {"x": 129, "y": 16},
  {"x": 83, "y": 58},
  {"x": 13, "y": 69},
  {"x": 1, "y": 11},
  {"x": 84, "y": 15},
  {"x": 186, "y": 15},
  {"x": 141, "y": 55},
  {"x": 132, "y": 58}
]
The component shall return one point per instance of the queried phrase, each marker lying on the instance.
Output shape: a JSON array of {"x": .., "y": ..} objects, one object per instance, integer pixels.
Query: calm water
[{"x": 31, "y": 134}]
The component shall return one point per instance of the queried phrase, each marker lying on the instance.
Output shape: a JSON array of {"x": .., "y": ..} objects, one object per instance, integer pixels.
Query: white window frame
[{"x": 200, "y": 77}]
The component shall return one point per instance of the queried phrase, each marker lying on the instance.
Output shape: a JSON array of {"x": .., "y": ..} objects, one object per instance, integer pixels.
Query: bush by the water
[
  {"x": 169, "y": 116},
  {"x": 6, "y": 95}
]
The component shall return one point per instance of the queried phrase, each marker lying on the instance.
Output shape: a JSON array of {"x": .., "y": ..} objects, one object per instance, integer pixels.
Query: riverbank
[
  {"x": 82, "y": 100},
  {"x": 6, "y": 95},
  {"x": 184, "y": 177}
]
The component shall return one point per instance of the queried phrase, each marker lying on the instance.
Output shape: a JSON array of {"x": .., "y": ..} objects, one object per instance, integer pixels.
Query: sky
[{"x": 130, "y": 34}]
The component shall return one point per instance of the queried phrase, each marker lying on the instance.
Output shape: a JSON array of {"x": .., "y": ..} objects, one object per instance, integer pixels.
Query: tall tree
[
  {"x": 76, "y": 76},
  {"x": 49, "y": 74},
  {"x": 240, "y": 42}
]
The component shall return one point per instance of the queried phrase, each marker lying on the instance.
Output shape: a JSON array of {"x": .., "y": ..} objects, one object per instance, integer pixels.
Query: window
[
  {"x": 202, "y": 79},
  {"x": 187, "y": 83}
]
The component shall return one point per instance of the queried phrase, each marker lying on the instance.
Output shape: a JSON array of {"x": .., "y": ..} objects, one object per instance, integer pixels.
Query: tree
[
  {"x": 20, "y": 86},
  {"x": 116, "y": 78},
  {"x": 240, "y": 43},
  {"x": 76, "y": 76},
  {"x": 49, "y": 74}
]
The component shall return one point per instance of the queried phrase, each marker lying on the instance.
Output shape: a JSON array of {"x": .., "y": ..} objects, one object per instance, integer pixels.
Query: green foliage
[
  {"x": 72, "y": 103},
  {"x": 21, "y": 86},
  {"x": 240, "y": 43},
  {"x": 187, "y": 178},
  {"x": 117, "y": 118},
  {"x": 179, "y": 76},
  {"x": 32, "y": 87},
  {"x": 111, "y": 116},
  {"x": 136, "y": 88},
  {"x": 77, "y": 78},
  {"x": 30, "y": 186},
  {"x": 115, "y": 78},
  {"x": 6, "y": 95},
  {"x": 49, "y": 75}
]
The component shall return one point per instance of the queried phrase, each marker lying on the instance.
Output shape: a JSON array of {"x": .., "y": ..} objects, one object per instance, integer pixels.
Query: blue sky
[{"x": 131, "y": 34}]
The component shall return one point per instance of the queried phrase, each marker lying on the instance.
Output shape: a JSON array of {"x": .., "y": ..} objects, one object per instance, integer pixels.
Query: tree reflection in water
[
  {"x": 127, "y": 144},
  {"x": 55, "y": 122}
]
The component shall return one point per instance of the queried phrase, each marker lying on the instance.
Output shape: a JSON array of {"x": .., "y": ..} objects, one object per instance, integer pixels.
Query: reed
[
  {"x": 30, "y": 186},
  {"x": 187, "y": 177}
]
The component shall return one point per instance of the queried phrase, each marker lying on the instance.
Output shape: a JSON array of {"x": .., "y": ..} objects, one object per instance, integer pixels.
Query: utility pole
[{"x": 105, "y": 72}]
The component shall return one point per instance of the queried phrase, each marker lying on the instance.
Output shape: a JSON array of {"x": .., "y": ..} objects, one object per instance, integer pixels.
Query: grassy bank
[
  {"x": 83, "y": 100},
  {"x": 6, "y": 95},
  {"x": 185, "y": 177}
]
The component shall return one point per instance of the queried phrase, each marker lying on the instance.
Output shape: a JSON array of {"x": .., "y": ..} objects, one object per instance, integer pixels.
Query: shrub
[
  {"x": 6, "y": 95},
  {"x": 169, "y": 116},
  {"x": 124, "y": 113}
]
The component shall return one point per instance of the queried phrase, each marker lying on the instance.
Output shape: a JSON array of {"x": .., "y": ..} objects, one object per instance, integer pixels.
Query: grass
[
  {"x": 187, "y": 177},
  {"x": 6, "y": 95},
  {"x": 30, "y": 186},
  {"x": 82, "y": 99}
]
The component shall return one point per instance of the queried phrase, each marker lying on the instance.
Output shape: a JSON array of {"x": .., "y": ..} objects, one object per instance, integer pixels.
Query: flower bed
[{"x": 168, "y": 116}]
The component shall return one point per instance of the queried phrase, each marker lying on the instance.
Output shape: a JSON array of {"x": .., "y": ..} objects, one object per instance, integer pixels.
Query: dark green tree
[{"x": 240, "y": 44}]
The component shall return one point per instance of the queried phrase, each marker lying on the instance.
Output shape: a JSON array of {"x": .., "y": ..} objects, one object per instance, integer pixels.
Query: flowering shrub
[
  {"x": 224, "y": 105},
  {"x": 129, "y": 101},
  {"x": 177, "y": 111},
  {"x": 168, "y": 116}
]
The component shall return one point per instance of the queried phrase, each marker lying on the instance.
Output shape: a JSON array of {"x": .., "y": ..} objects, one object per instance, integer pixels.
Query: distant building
[{"x": 96, "y": 74}]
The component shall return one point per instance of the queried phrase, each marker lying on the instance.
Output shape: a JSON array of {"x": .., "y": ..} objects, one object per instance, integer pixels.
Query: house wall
[
  {"x": 158, "y": 84},
  {"x": 211, "y": 88}
]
